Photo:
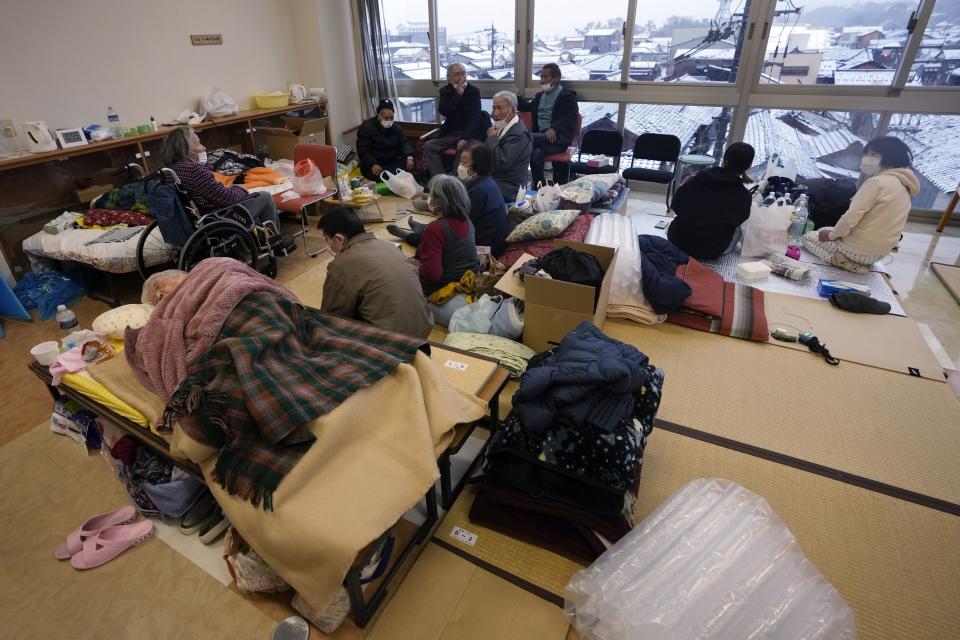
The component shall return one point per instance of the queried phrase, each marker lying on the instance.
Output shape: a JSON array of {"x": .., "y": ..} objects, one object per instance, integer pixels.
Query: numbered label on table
[
  {"x": 455, "y": 364},
  {"x": 464, "y": 536}
]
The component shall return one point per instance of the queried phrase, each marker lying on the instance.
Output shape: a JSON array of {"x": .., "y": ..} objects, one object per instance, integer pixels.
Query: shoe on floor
[
  {"x": 111, "y": 542},
  {"x": 198, "y": 514},
  {"x": 840, "y": 260},
  {"x": 213, "y": 527},
  {"x": 398, "y": 232},
  {"x": 90, "y": 528}
]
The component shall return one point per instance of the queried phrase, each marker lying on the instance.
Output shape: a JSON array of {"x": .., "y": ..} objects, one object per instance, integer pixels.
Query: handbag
[{"x": 548, "y": 195}]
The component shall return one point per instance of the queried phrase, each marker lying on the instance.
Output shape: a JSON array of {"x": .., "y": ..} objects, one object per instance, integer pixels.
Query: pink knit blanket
[{"x": 186, "y": 323}]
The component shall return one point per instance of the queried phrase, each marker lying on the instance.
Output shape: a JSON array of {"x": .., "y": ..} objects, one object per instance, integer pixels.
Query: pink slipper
[
  {"x": 92, "y": 527},
  {"x": 111, "y": 542}
]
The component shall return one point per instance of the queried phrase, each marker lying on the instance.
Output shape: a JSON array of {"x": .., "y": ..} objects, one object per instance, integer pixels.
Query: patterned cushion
[
  {"x": 576, "y": 232},
  {"x": 548, "y": 224}
]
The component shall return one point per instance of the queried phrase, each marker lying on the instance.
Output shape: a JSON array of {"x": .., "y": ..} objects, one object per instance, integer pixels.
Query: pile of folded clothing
[{"x": 564, "y": 470}]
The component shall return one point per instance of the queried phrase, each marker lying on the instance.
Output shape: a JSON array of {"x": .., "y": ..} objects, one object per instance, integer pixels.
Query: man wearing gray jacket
[{"x": 511, "y": 144}]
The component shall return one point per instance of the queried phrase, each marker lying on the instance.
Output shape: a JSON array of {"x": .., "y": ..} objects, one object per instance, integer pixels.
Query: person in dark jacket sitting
[
  {"x": 488, "y": 212},
  {"x": 381, "y": 144},
  {"x": 554, "y": 113},
  {"x": 462, "y": 118},
  {"x": 712, "y": 205},
  {"x": 511, "y": 144}
]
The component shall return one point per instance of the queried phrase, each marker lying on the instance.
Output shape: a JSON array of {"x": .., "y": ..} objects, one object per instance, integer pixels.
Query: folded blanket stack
[{"x": 626, "y": 290}]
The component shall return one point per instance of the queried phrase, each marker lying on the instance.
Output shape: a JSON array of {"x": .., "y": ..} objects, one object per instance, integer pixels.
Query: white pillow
[
  {"x": 112, "y": 323},
  {"x": 603, "y": 181}
]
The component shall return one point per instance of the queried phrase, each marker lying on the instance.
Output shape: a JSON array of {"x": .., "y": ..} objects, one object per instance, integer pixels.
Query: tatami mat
[
  {"x": 896, "y": 564},
  {"x": 149, "y": 592},
  {"x": 541, "y": 569},
  {"x": 949, "y": 275},
  {"x": 899, "y": 430},
  {"x": 885, "y": 341}
]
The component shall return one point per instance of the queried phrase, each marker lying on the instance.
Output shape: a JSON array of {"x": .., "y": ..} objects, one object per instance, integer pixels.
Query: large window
[
  {"x": 701, "y": 129},
  {"x": 845, "y": 42},
  {"x": 934, "y": 140},
  {"x": 938, "y": 60},
  {"x": 821, "y": 144},
  {"x": 482, "y": 41},
  {"x": 412, "y": 109},
  {"x": 408, "y": 38}
]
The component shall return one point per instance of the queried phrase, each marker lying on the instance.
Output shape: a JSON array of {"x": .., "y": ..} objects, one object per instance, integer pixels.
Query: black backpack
[{"x": 829, "y": 199}]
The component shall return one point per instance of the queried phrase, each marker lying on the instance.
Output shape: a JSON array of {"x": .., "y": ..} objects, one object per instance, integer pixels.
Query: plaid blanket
[{"x": 275, "y": 367}]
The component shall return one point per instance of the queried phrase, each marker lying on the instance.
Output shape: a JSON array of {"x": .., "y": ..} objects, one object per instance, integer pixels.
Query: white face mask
[
  {"x": 499, "y": 124},
  {"x": 202, "y": 157},
  {"x": 869, "y": 165},
  {"x": 386, "y": 124},
  {"x": 546, "y": 86},
  {"x": 463, "y": 172}
]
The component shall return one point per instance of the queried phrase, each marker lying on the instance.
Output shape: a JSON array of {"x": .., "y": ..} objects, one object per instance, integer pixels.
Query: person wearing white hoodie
[{"x": 872, "y": 225}]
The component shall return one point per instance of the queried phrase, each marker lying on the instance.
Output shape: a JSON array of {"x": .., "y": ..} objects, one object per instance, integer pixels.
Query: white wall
[{"x": 64, "y": 61}]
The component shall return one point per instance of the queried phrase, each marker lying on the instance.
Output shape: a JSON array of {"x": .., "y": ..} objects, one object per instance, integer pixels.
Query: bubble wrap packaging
[{"x": 712, "y": 562}]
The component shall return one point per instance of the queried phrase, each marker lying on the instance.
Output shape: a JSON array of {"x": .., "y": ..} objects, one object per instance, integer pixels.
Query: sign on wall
[{"x": 206, "y": 38}]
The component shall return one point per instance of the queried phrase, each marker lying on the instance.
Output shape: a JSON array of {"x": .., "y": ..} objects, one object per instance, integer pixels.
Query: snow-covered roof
[{"x": 602, "y": 32}]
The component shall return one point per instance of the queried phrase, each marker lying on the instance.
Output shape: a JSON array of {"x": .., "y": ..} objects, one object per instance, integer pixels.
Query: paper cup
[{"x": 46, "y": 352}]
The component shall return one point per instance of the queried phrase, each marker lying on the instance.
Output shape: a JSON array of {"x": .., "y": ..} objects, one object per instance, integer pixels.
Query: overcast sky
[{"x": 553, "y": 17}]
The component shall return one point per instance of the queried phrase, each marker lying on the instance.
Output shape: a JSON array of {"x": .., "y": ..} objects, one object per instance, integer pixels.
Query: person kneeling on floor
[
  {"x": 873, "y": 224},
  {"x": 369, "y": 279},
  {"x": 712, "y": 205}
]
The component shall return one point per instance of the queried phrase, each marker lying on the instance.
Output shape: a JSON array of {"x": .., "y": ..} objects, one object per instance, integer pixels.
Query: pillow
[
  {"x": 602, "y": 181},
  {"x": 112, "y": 323},
  {"x": 548, "y": 224}
]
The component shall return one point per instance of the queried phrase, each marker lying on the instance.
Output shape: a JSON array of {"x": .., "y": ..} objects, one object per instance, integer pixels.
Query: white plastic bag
[
  {"x": 777, "y": 166},
  {"x": 217, "y": 103},
  {"x": 765, "y": 231},
  {"x": 401, "y": 183},
  {"x": 547, "y": 198},
  {"x": 712, "y": 562},
  {"x": 307, "y": 179}
]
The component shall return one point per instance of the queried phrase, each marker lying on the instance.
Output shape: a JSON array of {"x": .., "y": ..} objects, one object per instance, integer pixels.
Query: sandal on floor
[
  {"x": 111, "y": 542},
  {"x": 92, "y": 527}
]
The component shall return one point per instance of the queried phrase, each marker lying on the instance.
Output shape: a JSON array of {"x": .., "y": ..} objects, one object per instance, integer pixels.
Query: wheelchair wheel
[
  {"x": 153, "y": 254},
  {"x": 219, "y": 239}
]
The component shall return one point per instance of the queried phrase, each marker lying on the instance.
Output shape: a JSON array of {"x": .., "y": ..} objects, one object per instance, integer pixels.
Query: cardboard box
[
  {"x": 280, "y": 141},
  {"x": 552, "y": 308}
]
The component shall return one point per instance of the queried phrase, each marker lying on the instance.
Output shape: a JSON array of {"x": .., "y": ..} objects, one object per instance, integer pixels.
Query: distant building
[
  {"x": 573, "y": 42},
  {"x": 797, "y": 67},
  {"x": 603, "y": 40},
  {"x": 417, "y": 109},
  {"x": 419, "y": 31}
]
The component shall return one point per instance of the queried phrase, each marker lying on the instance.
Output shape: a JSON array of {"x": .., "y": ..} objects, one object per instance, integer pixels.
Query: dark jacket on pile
[
  {"x": 563, "y": 119},
  {"x": 386, "y": 147},
  {"x": 709, "y": 207},
  {"x": 589, "y": 380},
  {"x": 461, "y": 113},
  {"x": 661, "y": 287}
]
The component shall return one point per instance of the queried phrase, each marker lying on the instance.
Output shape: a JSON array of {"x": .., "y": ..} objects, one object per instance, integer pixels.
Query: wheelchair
[{"x": 225, "y": 232}]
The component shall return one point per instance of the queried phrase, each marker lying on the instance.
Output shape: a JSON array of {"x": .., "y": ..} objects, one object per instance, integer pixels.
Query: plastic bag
[
  {"x": 765, "y": 231},
  {"x": 307, "y": 179},
  {"x": 548, "y": 195},
  {"x": 217, "y": 103},
  {"x": 712, "y": 562},
  {"x": 249, "y": 571},
  {"x": 476, "y": 317},
  {"x": 778, "y": 166},
  {"x": 402, "y": 183},
  {"x": 46, "y": 290}
]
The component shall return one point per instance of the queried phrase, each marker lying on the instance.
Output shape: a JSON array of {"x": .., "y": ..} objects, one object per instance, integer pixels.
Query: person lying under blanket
[{"x": 244, "y": 367}]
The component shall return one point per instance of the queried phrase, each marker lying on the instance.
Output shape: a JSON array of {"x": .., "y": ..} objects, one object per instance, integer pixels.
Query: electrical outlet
[
  {"x": 464, "y": 536},
  {"x": 6, "y": 128}
]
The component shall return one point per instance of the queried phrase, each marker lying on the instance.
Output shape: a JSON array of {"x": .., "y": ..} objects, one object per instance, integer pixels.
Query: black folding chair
[
  {"x": 598, "y": 142},
  {"x": 660, "y": 148}
]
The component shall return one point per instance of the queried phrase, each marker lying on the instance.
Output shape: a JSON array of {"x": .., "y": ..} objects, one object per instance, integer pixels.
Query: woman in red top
[{"x": 447, "y": 246}]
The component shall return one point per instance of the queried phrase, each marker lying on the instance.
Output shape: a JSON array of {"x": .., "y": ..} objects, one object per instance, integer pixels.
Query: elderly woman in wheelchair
[{"x": 186, "y": 157}]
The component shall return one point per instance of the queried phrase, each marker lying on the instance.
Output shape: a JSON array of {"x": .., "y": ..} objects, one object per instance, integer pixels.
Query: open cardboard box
[
  {"x": 552, "y": 308},
  {"x": 280, "y": 141}
]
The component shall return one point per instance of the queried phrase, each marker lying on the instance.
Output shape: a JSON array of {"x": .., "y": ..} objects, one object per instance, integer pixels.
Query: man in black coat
[
  {"x": 554, "y": 113},
  {"x": 712, "y": 205},
  {"x": 460, "y": 107},
  {"x": 381, "y": 144}
]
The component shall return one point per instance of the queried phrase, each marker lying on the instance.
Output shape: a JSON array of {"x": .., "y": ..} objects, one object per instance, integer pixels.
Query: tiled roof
[{"x": 933, "y": 140}]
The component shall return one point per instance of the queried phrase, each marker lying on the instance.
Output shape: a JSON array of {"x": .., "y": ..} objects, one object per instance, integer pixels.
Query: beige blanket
[{"x": 374, "y": 458}]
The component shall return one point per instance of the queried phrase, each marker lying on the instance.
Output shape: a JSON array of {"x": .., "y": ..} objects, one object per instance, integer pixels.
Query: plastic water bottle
[
  {"x": 798, "y": 221},
  {"x": 113, "y": 122},
  {"x": 66, "y": 319}
]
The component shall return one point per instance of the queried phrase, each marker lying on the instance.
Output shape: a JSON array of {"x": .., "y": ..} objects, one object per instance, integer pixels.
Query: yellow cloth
[
  {"x": 374, "y": 458},
  {"x": 467, "y": 285},
  {"x": 115, "y": 375},
  {"x": 82, "y": 381}
]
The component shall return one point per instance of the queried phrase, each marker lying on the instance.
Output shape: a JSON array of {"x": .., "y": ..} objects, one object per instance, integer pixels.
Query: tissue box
[
  {"x": 826, "y": 286},
  {"x": 752, "y": 270}
]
